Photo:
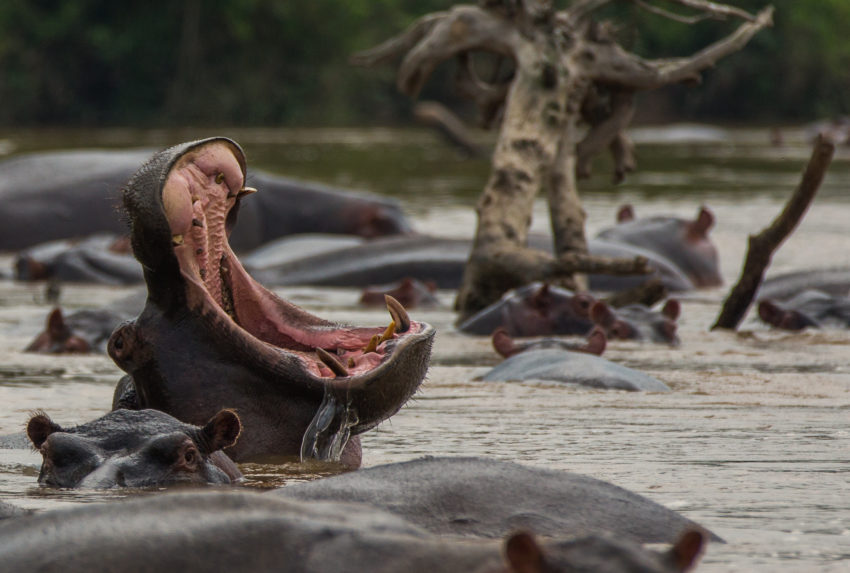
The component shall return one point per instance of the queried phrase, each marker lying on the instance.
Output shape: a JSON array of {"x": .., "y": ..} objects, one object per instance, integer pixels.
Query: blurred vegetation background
[{"x": 284, "y": 63}]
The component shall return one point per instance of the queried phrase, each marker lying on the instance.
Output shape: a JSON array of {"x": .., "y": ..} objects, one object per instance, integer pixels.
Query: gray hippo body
[
  {"x": 577, "y": 368},
  {"x": 74, "y": 194},
  {"x": 489, "y": 498},
  {"x": 782, "y": 287},
  {"x": 810, "y": 308},
  {"x": 91, "y": 260},
  {"x": 246, "y": 531}
]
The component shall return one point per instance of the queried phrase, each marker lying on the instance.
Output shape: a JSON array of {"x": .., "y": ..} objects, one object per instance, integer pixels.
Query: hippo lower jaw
[{"x": 360, "y": 376}]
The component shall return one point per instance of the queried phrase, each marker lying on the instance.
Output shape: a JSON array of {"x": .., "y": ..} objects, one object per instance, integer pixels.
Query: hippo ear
[
  {"x": 625, "y": 213},
  {"x": 56, "y": 327},
  {"x": 686, "y": 550},
  {"x": 600, "y": 314},
  {"x": 40, "y": 427},
  {"x": 699, "y": 227},
  {"x": 221, "y": 431},
  {"x": 503, "y": 343},
  {"x": 596, "y": 342},
  {"x": 671, "y": 309},
  {"x": 523, "y": 553}
]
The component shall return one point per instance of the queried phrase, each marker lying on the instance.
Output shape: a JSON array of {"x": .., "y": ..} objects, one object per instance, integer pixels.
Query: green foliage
[{"x": 274, "y": 62}]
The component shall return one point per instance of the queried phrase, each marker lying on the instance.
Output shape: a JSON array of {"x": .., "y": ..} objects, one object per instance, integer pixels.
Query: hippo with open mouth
[{"x": 210, "y": 337}]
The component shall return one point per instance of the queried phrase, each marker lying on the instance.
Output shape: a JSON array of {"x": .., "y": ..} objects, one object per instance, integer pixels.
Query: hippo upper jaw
[{"x": 262, "y": 348}]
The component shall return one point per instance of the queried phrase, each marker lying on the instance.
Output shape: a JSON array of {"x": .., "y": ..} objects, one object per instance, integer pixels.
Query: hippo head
[
  {"x": 540, "y": 309},
  {"x": 211, "y": 337},
  {"x": 786, "y": 319},
  {"x": 637, "y": 322},
  {"x": 58, "y": 338},
  {"x": 134, "y": 449}
]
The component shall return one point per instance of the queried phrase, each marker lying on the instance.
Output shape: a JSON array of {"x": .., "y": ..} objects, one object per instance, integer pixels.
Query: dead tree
[{"x": 567, "y": 71}]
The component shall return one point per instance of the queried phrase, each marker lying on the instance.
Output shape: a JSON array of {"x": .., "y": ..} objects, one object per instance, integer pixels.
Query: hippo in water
[
  {"x": 68, "y": 194},
  {"x": 216, "y": 531},
  {"x": 683, "y": 242},
  {"x": 536, "y": 309},
  {"x": 135, "y": 449},
  {"x": 504, "y": 344},
  {"x": 479, "y": 497},
  {"x": 210, "y": 336},
  {"x": 638, "y": 322},
  {"x": 809, "y": 309}
]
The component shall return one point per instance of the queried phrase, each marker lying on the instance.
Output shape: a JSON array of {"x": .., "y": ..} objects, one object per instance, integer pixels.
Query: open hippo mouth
[{"x": 211, "y": 335}]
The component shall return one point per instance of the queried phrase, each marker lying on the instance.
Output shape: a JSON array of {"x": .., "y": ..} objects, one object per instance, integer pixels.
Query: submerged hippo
[
  {"x": 782, "y": 287},
  {"x": 66, "y": 194},
  {"x": 505, "y": 345},
  {"x": 135, "y": 449},
  {"x": 247, "y": 531},
  {"x": 638, "y": 322},
  {"x": 101, "y": 259},
  {"x": 478, "y": 497},
  {"x": 408, "y": 291},
  {"x": 578, "y": 368},
  {"x": 683, "y": 242},
  {"x": 211, "y": 337},
  {"x": 809, "y": 309},
  {"x": 536, "y": 309},
  {"x": 85, "y": 330}
]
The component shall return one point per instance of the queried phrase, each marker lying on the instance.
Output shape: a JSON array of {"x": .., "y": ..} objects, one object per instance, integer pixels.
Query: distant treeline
[{"x": 283, "y": 62}]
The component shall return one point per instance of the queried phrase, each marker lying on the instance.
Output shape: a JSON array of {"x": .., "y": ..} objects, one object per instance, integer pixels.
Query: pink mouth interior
[{"x": 201, "y": 189}]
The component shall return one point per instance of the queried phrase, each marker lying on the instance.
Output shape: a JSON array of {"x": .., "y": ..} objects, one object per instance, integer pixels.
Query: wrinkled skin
[
  {"x": 73, "y": 194},
  {"x": 409, "y": 292},
  {"x": 135, "y": 449},
  {"x": 809, "y": 309},
  {"x": 637, "y": 322},
  {"x": 184, "y": 532},
  {"x": 210, "y": 336},
  {"x": 536, "y": 309},
  {"x": 505, "y": 345},
  {"x": 683, "y": 242}
]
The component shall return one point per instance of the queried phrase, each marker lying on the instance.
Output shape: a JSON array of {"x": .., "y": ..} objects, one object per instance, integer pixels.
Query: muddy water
[{"x": 753, "y": 442}]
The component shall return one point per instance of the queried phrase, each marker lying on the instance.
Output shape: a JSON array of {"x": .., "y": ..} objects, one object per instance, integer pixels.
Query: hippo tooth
[
  {"x": 398, "y": 313},
  {"x": 331, "y": 362},
  {"x": 241, "y": 192},
  {"x": 388, "y": 333},
  {"x": 372, "y": 346},
  {"x": 176, "y": 240}
]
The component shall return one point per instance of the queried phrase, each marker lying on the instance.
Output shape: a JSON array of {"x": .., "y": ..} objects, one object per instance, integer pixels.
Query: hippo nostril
[
  {"x": 118, "y": 343},
  {"x": 119, "y": 479}
]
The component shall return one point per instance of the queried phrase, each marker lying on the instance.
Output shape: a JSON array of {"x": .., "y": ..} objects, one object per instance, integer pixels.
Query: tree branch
[
  {"x": 488, "y": 97},
  {"x": 464, "y": 28},
  {"x": 763, "y": 245},
  {"x": 606, "y": 131},
  {"x": 397, "y": 46},
  {"x": 615, "y": 65},
  {"x": 715, "y": 10}
]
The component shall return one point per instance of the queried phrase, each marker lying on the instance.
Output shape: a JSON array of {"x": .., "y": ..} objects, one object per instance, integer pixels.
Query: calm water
[{"x": 753, "y": 442}]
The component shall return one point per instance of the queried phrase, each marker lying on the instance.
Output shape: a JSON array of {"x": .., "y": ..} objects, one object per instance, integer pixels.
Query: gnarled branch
[
  {"x": 606, "y": 131},
  {"x": 616, "y": 66}
]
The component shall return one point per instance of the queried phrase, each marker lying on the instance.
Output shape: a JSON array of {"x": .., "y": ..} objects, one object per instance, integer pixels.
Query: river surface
[{"x": 753, "y": 442}]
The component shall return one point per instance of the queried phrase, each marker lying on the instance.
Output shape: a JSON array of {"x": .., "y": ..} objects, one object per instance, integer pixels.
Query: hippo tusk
[
  {"x": 399, "y": 314},
  {"x": 331, "y": 362}
]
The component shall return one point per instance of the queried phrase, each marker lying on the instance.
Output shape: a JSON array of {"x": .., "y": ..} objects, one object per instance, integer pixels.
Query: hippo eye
[
  {"x": 189, "y": 456},
  {"x": 219, "y": 178}
]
